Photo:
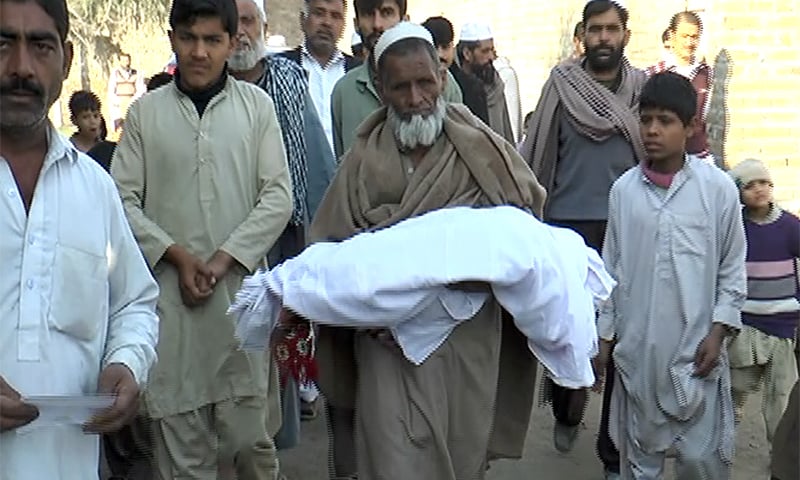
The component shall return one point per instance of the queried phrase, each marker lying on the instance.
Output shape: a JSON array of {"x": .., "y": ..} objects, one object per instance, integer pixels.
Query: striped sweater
[{"x": 773, "y": 288}]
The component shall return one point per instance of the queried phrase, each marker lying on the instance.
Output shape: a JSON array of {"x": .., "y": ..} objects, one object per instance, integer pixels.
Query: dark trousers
[{"x": 569, "y": 405}]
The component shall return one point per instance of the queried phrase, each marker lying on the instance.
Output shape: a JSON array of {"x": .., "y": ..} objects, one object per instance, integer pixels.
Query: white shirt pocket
[{"x": 79, "y": 295}]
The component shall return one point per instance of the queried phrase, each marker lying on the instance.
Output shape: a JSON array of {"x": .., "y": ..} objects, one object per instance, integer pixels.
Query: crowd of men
[{"x": 120, "y": 284}]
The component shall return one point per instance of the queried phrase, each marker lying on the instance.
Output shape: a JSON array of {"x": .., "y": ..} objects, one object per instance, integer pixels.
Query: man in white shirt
[
  {"x": 77, "y": 298},
  {"x": 320, "y": 57}
]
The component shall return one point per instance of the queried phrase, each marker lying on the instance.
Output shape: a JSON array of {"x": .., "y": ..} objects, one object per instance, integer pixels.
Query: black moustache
[{"x": 17, "y": 84}]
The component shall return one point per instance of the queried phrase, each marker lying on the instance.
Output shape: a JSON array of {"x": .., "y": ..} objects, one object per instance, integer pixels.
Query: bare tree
[{"x": 97, "y": 25}]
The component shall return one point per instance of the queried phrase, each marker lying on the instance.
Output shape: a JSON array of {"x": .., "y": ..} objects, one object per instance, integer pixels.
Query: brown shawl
[
  {"x": 371, "y": 190},
  {"x": 594, "y": 110},
  {"x": 499, "y": 118}
]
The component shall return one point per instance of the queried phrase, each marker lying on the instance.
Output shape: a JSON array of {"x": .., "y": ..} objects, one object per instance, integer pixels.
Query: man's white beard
[
  {"x": 419, "y": 130},
  {"x": 246, "y": 56}
]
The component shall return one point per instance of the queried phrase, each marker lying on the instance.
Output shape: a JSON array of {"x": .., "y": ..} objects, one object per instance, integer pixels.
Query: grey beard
[
  {"x": 419, "y": 130},
  {"x": 246, "y": 58}
]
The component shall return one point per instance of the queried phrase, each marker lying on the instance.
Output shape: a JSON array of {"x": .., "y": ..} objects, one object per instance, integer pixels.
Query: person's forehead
[
  {"x": 246, "y": 8},
  {"x": 607, "y": 18},
  {"x": 330, "y": 5},
  {"x": 414, "y": 61},
  {"x": 686, "y": 27},
  {"x": 205, "y": 25},
  {"x": 26, "y": 17}
]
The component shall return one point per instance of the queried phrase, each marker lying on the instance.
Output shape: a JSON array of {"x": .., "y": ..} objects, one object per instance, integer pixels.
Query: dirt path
[{"x": 541, "y": 461}]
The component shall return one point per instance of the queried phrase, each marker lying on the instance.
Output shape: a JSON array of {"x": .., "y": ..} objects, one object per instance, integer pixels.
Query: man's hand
[
  {"x": 13, "y": 412},
  {"x": 707, "y": 355},
  {"x": 118, "y": 380},
  {"x": 219, "y": 265},
  {"x": 195, "y": 278},
  {"x": 600, "y": 363}
]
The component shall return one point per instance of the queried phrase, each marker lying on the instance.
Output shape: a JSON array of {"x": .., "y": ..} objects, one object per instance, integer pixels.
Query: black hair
[
  {"x": 405, "y": 47},
  {"x": 82, "y": 101},
  {"x": 365, "y": 7},
  {"x": 672, "y": 92},
  {"x": 685, "y": 17},
  {"x": 578, "y": 31},
  {"x": 358, "y": 50},
  {"x": 55, "y": 9},
  {"x": 665, "y": 36},
  {"x": 103, "y": 128},
  {"x": 599, "y": 7},
  {"x": 158, "y": 80},
  {"x": 441, "y": 30},
  {"x": 186, "y": 12}
]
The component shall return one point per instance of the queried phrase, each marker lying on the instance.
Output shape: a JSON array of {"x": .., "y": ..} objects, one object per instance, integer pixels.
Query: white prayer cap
[
  {"x": 401, "y": 31},
  {"x": 475, "y": 32},
  {"x": 355, "y": 40}
]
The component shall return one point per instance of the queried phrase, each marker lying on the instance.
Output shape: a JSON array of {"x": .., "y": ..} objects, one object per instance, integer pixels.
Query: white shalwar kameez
[{"x": 679, "y": 257}]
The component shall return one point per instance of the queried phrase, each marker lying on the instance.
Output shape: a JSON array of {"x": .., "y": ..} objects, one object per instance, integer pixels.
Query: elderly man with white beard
[
  {"x": 310, "y": 159},
  {"x": 414, "y": 155}
]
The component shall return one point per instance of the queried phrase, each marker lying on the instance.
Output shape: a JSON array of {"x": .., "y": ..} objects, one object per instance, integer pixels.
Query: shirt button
[
  {"x": 29, "y": 284},
  {"x": 31, "y": 241},
  {"x": 10, "y": 192}
]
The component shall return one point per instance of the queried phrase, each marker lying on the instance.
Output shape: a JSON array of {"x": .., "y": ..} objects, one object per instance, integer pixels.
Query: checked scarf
[{"x": 286, "y": 84}]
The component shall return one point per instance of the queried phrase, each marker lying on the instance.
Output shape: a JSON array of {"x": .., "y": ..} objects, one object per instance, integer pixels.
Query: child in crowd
[
  {"x": 763, "y": 353},
  {"x": 84, "y": 109},
  {"x": 675, "y": 243}
]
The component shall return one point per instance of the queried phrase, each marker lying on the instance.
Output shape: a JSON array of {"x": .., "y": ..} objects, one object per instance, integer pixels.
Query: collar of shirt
[
  {"x": 678, "y": 177},
  {"x": 671, "y": 63},
  {"x": 338, "y": 57},
  {"x": 58, "y": 148}
]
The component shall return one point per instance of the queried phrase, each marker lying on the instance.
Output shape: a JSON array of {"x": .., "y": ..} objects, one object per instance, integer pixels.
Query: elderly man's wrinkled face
[
  {"x": 33, "y": 65},
  {"x": 250, "y": 47},
  {"x": 411, "y": 87}
]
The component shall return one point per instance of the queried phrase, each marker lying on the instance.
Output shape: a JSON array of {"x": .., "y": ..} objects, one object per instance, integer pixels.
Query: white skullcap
[
  {"x": 475, "y": 32},
  {"x": 355, "y": 40},
  {"x": 401, "y": 31}
]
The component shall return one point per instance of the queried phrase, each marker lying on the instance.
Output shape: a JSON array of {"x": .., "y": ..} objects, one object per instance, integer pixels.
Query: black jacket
[
  {"x": 296, "y": 55},
  {"x": 473, "y": 92}
]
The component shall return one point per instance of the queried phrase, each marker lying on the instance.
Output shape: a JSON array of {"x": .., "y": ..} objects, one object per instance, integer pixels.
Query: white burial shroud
[{"x": 397, "y": 278}]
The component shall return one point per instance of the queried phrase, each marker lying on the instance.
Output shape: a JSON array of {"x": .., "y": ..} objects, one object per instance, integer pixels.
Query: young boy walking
[
  {"x": 763, "y": 353},
  {"x": 675, "y": 243}
]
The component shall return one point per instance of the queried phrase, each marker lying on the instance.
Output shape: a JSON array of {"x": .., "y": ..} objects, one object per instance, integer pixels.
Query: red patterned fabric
[{"x": 294, "y": 353}]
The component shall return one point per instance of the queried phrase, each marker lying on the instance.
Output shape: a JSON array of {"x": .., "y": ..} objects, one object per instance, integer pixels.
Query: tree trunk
[{"x": 83, "y": 51}]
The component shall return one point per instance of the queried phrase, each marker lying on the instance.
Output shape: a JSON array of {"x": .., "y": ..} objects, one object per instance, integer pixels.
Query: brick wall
[{"x": 757, "y": 37}]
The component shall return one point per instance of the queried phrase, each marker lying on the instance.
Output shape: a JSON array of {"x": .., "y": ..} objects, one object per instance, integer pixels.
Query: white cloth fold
[{"x": 398, "y": 278}]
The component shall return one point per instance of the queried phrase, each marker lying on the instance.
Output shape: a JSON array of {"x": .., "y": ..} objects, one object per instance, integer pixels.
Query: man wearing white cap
[
  {"x": 355, "y": 95},
  {"x": 583, "y": 136},
  {"x": 417, "y": 154},
  {"x": 475, "y": 54}
]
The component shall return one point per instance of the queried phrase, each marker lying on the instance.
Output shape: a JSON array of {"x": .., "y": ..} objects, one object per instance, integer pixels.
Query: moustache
[{"x": 17, "y": 84}]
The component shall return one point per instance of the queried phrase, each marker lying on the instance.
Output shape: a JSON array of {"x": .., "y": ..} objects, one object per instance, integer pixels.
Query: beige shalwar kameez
[
  {"x": 213, "y": 182},
  {"x": 443, "y": 419}
]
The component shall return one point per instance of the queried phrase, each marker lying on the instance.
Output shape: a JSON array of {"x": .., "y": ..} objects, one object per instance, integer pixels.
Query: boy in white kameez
[{"x": 676, "y": 245}]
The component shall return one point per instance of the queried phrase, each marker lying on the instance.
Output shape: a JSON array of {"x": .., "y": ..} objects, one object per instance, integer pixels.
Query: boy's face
[
  {"x": 88, "y": 122},
  {"x": 663, "y": 133},
  {"x": 757, "y": 194}
]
